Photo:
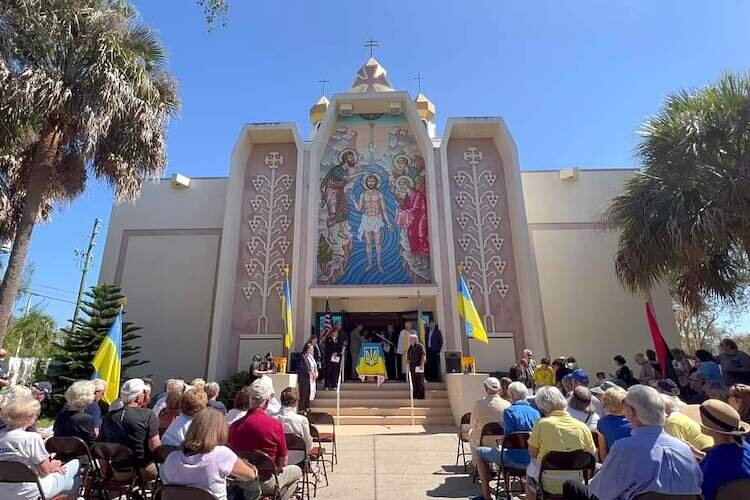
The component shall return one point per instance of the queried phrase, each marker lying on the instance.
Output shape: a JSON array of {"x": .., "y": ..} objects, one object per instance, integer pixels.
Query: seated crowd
[
  {"x": 208, "y": 441},
  {"x": 643, "y": 432}
]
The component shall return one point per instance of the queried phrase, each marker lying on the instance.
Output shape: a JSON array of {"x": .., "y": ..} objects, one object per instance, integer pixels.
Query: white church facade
[{"x": 375, "y": 215}]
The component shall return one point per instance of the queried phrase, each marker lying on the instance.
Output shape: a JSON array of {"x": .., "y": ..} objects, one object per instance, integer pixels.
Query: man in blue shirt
[
  {"x": 729, "y": 459},
  {"x": 518, "y": 417},
  {"x": 648, "y": 461}
]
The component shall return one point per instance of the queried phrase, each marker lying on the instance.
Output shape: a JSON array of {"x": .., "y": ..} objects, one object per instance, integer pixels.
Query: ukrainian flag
[
  {"x": 371, "y": 362},
  {"x": 467, "y": 310},
  {"x": 286, "y": 312},
  {"x": 420, "y": 327},
  {"x": 108, "y": 360}
]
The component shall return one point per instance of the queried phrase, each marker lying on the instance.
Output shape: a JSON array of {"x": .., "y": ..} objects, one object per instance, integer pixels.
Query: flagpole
[{"x": 284, "y": 350}]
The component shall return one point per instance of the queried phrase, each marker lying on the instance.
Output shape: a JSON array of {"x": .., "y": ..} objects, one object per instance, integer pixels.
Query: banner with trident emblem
[{"x": 371, "y": 362}]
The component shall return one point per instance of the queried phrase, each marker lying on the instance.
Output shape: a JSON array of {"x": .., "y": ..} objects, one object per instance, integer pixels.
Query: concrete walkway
[{"x": 399, "y": 462}]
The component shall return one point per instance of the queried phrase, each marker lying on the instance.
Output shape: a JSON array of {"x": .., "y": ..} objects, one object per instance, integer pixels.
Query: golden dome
[
  {"x": 318, "y": 111},
  {"x": 425, "y": 108}
]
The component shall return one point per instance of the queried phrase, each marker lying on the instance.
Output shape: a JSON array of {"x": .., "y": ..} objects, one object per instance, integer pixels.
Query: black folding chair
[
  {"x": 577, "y": 460},
  {"x": 463, "y": 438},
  {"x": 488, "y": 429},
  {"x": 733, "y": 489},
  {"x": 297, "y": 444},
  {"x": 17, "y": 472},
  {"x": 113, "y": 456},
  {"x": 512, "y": 441},
  {"x": 318, "y": 453},
  {"x": 321, "y": 418},
  {"x": 266, "y": 469},
  {"x": 160, "y": 455},
  {"x": 67, "y": 448},
  {"x": 175, "y": 492}
]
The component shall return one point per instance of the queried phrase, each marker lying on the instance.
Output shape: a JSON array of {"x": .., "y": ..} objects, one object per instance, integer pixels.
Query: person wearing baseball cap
[
  {"x": 258, "y": 431},
  {"x": 486, "y": 410},
  {"x": 136, "y": 427},
  {"x": 729, "y": 459}
]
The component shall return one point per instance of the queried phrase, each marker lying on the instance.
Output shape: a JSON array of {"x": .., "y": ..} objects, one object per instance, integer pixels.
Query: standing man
[
  {"x": 390, "y": 352},
  {"x": 333, "y": 348},
  {"x": 417, "y": 358},
  {"x": 434, "y": 346},
  {"x": 355, "y": 342},
  {"x": 4, "y": 378}
]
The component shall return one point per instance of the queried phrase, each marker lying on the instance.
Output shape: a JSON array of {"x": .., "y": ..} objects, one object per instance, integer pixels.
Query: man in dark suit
[{"x": 434, "y": 346}]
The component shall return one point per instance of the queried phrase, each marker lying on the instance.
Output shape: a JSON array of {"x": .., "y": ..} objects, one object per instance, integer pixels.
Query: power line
[
  {"x": 33, "y": 285},
  {"x": 35, "y": 294}
]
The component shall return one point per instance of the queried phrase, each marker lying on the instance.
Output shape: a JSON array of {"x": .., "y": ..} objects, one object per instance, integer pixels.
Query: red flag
[{"x": 663, "y": 352}]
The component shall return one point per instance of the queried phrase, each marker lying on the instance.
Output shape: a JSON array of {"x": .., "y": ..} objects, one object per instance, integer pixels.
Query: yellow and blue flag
[
  {"x": 467, "y": 310},
  {"x": 108, "y": 360},
  {"x": 371, "y": 362},
  {"x": 286, "y": 312},
  {"x": 420, "y": 325}
]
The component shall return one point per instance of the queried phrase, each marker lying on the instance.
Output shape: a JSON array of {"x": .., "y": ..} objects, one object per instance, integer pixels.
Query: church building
[{"x": 376, "y": 214}]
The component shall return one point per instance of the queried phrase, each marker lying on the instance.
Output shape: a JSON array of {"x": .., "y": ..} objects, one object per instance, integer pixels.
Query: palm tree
[
  {"x": 685, "y": 218},
  {"x": 83, "y": 92}
]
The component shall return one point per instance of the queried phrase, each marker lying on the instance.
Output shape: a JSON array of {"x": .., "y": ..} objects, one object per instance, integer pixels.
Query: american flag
[{"x": 327, "y": 322}]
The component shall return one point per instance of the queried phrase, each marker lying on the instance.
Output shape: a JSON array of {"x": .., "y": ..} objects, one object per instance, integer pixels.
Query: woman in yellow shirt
[
  {"x": 685, "y": 428},
  {"x": 544, "y": 374}
]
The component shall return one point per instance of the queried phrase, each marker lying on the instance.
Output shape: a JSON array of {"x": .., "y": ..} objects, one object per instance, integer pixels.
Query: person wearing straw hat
[{"x": 729, "y": 459}]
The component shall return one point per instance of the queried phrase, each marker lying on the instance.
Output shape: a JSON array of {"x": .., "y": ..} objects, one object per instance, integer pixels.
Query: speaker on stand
[{"x": 453, "y": 362}]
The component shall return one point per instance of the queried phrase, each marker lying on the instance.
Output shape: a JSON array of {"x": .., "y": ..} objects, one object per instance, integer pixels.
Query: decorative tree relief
[
  {"x": 267, "y": 245},
  {"x": 479, "y": 237}
]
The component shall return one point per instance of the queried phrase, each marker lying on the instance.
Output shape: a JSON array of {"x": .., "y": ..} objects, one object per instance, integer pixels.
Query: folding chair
[
  {"x": 463, "y": 438},
  {"x": 512, "y": 441},
  {"x": 319, "y": 418},
  {"x": 111, "y": 455},
  {"x": 266, "y": 469},
  {"x": 733, "y": 489},
  {"x": 317, "y": 454},
  {"x": 663, "y": 496},
  {"x": 175, "y": 492},
  {"x": 488, "y": 429},
  {"x": 296, "y": 443},
  {"x": 17, "y": 472},
  {"x": 69, "y": 448},
  {"x": 578, "y": 460}
]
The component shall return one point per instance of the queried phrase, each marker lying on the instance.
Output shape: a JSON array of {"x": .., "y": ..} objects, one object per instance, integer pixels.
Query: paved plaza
[{"x": 397, "y": 462}]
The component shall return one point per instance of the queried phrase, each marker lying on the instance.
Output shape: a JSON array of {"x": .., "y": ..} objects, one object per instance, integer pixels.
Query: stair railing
[
  {"x": 338, "y": 385},
  {"x": 411, "y": 393}
]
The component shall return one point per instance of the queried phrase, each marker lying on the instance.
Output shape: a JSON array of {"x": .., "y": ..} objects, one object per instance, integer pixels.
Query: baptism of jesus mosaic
[{"x": 372, "y": 219}]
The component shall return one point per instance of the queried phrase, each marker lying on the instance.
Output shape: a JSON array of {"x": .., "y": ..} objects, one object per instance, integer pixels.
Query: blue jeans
[
  {"x": 57, "y": 483},
  {"x": 494, "y": 455}
]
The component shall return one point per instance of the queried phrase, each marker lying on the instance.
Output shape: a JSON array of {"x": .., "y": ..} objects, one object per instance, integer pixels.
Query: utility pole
[{"x": 85, "y": 263}]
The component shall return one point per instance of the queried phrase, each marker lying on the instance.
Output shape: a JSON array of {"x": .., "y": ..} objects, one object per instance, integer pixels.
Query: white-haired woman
[
  {"x": 556, "y": 431},
  {"x": 72, "y": 421},
  {"x": 19, "y": 445},
  {"x": 684, "y": 428}
]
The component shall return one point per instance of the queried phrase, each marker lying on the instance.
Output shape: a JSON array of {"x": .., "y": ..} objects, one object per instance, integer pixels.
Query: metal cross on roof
[
  {"x": 370, "y": 44},
  {"x": 324, "y": 81},
  {"x": 419, "y": 79}
]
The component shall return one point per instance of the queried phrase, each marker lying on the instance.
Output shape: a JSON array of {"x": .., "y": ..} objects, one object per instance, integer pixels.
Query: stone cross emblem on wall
[
  {"x": 473, "y": 156},
  {"x": 274, "y": 160}
]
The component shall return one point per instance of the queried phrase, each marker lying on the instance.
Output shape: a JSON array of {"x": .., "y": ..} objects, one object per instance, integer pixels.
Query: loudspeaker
[
  {"x": 294, "y": 360},
  {"x": 452, "y": 361}
]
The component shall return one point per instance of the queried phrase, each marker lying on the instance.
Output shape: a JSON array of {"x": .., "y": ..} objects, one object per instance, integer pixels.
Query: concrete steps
[{"x": 387, "y": 405}]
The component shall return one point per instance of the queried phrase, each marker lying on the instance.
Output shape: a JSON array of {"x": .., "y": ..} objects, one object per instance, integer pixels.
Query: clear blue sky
[{"x": 572, "y": 79}]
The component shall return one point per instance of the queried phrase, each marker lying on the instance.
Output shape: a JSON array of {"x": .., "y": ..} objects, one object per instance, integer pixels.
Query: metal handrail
[
  {"x": 338, "y": 385},
  {"x": 411, "y": 393}
]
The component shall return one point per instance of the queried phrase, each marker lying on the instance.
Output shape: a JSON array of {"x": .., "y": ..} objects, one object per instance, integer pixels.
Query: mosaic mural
[{"x": 372, "y": 222}]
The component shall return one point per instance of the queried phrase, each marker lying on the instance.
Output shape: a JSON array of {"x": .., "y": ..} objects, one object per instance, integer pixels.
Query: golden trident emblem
[{"x": 371, "y": 356}]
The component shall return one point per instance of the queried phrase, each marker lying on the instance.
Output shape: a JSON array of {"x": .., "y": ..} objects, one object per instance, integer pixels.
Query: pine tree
[{"x": 79, "y": 343}]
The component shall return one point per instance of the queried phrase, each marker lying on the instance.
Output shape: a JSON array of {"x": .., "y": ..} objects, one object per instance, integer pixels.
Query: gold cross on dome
[{"x": 370, "y": 44}]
